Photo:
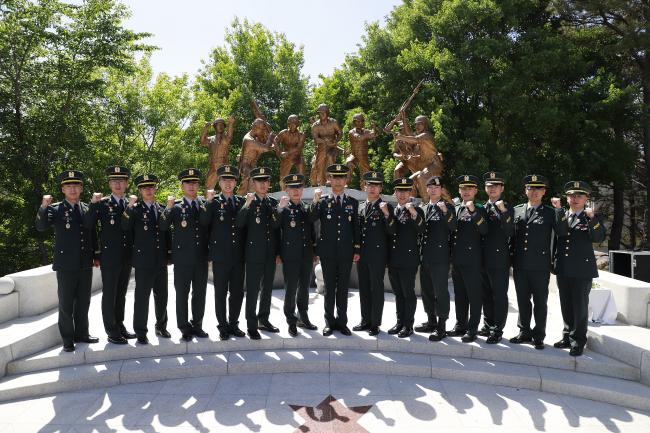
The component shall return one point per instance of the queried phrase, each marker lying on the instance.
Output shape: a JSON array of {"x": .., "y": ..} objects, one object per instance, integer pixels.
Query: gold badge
[
  {"x": 117, "y": 169},
  {"x": 493, "y": 175},
  {"x": 374, "y": 175},
  {"x": 227, "y": 169},
  {"x": 71, "y": 174},
  {"x": 466, "y": 178},
  {"x": 183, "y": 223},
  {"x": 112, "y": 222},
  {"x": 261, "y": 171},
  {"x": 146, "y": 227},
  {"x": 404, "y": 181},
  {"x": 258, "y": 220},
  {"x": 576, "y": 184},
  {"x": 67, "y": 225},
  {"x": 534, "y": 178},
  {"x": 146, "y": 177},
  {"x": 191, "y": 172},
  {"x": 295, "y": 177},
  {"x": 338, "y": 167}
]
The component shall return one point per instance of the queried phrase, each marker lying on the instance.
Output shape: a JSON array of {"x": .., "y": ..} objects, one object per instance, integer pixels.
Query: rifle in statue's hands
[{"x": 389, "y": 126}]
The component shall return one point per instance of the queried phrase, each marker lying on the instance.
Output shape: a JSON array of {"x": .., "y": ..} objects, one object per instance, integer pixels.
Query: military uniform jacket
[
  {"x": 261, "y": 223},
  {"x": 339, "y": 236},
  {"x": 574, "y": 253},
  {"x": 74, "y": 244},
  {"x": 115, "y": 244},
  {"x": 532, "y": 239},
  {"x": 496, "y": 243},
  {"x": 466, "y": 239},
  {"x": 437, "y": 230},
  {"x": 151, "y": 246},
  {"x": 404, "y": 251},
  {"x": 296, "y": 232},
  {"x": 189, "y": 237},
  {"x": 227, "y": 241},
  {"x": 376, "y": 231}
]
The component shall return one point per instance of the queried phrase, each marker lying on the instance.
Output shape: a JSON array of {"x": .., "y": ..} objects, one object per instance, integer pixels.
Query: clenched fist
[
  {"x": 317, "y": 193},
  {"x": 171, "y": 200},
  {"x": 470, "y": 206},
  {"x": 442, "y": 206},
  {"x": 589, "y": 212},
  {"x": 284, "y": 201},
  {"x": 501, "y": 206},
  {"x": 209, "y": 195},
  {"x": 132, "y": 200},
  {"x": 249, "y": 199},
  {"x": 383, "y": 206},
  {"x": 96, "y": 198},
  {"x": 556, "y": 202},
  {"x": 47, "y": 200}
]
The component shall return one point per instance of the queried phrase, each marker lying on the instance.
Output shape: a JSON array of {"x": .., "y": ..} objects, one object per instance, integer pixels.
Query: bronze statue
[
  {"x": 359, "y": 138},
  {"x": 253, "y": 146},
  {"x": 289, "y": 144},
  {"x": 326, "y": 133},
  {"x": 417, "y": 153},
  {"x": 218, "y": 145}
]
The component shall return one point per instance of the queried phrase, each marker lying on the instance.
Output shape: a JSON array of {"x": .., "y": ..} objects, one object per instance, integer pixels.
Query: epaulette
[
  {"x": 105, "y": 199},
  {"x": 178, "y": 201},
  {"x": 56, "y": 204},
  {"x": 520, "y": 205}
]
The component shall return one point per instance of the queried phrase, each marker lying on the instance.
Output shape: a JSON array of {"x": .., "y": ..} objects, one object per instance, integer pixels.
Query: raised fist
[
  {"x": 589, "y": 212},
  {"x": 47, "y": 200},
  {"x": 97, "y": 196},
  {"x": 384, "y": 207},
  {"x": 556, "y": 202},
  {"x": 207, "y": 124},
  {"x": 317, "y": 193},
  {"x": 470, "y": 206},
  {"x": 501, "y": 206},
  {"x": 284, "y": 201},
  {"x": 442, "y": 206},
  {"x": 132, "y": 200},
  {"x": 249, "y": 198},
  {"x": 171, "y": 200},
  {"x": 209, "y": 195}
]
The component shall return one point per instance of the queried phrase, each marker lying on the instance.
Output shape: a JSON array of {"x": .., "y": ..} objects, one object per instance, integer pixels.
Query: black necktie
[
  {"x": 120, "y": 203},
  {"x": 231, "y": 206},
  {"x": 195, "y": 209},
  {"x": 77, "y": 210},
  {"x": 152, "y": 210},
  {"x": 572, "y": 219},
  {"x": 529, "y": 212},
  {"x": 338, "y": 201}
]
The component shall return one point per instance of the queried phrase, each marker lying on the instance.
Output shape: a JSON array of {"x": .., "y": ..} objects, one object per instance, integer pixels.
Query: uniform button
[
  {"x": 82, "y": 248},
  {"x": 567, "y": 241},
  {"x": 61, "y": 251},
  {"x": 158, "y": 248},
  {"x": 525, "y": 249},
  {"x": 497, "y": 250},
  {"x": 469, "y": 248},
  {"x": 138, "y": 250},
  {"x": 526, "y": 241},
  {"x": 566, "y": 255}
]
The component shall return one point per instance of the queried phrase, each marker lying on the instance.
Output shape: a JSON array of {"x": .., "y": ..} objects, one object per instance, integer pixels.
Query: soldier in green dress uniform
[
  {"x": 338, "y": 245},
  {"x": 534, "y": 227},
  {"x": 226, "y": 250},
  {"x": 259, "y": 217},
  {"x": 467, "y": 259},
  {"x": 575, "y": 265},
  {"x": 496, "y": 258},
  {"x": 405, "y": 256},
  {"x": 115, "y": 250},
  {"x": 151, "y": 255},
  {"x": 297, "y": 252},
  {"x": 377, "y": 224},
  {"x": 74, "y": 247},
  {"x": 440, "y": 222},
  {"x": 189, "y": 253}
]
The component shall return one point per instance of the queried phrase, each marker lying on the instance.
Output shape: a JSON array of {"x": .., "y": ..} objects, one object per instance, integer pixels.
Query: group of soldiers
[{"x": 246, "y": 237}]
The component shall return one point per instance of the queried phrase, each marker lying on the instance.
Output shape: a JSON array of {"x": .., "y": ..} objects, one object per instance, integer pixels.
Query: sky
[{"x": 187, "y": 31}]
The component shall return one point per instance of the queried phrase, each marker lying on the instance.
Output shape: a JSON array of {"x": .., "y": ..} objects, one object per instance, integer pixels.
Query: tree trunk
[
  {"x": 632, "y": 220},
  {"x": 617, "y": 222},
  {"x": 646, "y": 151}
]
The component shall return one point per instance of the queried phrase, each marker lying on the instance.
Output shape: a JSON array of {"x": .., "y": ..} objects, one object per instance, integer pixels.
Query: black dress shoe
[
  {"x": 456, "y": 332},
  {"x": 68, "y": 347},
  {"x": 186, "y": 336},
  {"x": 374, "y": 330},
  {"x": 361, "y": 327},
  {"x": 425, "y": 327},
  {"x": 128, "y": 335},
  {"x": 576, "y": 351},
  {"x": 266, "y": 326},
  {"x": 327, "y": 331},
  {"x": 345, "y": 330},
  {"x": 87, "y": 339},
  {"x": 199, "y": 332},
  {"x": 293, "y": 330},
  {"x": 117, "y": 340},
  {"x": 306, "y": 324},
  {"x": 142, "y": 339},
  {"x": 469, "y": 337},
  {"x": 484, "y": 331},
  {"x": 493, "y": 338},
  {"x": 539, "y": 344},
  {"x": 406, "y": 331},
  {"x": 223, "y": 334},
  {"x": 162, "y": 332},
  {"x": 234, "y": 330},
  {"x": 254, "y": 334},
  {"x": 521, "y": 338},
  {"x": 562, "y": 344},
  {"x": 437, "y": 335},
  {"x": 395, "y": 329}
]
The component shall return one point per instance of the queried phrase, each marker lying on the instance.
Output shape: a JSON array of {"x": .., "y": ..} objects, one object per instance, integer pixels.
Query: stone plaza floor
[{"x": 312, "y": 402}]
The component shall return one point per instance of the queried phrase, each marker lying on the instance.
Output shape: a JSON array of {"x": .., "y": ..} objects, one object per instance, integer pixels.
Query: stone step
[
  {"x": 590, "y": 362},
  {"x": 104, "y": 374},
  {"x": 628, "y": 344}
]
